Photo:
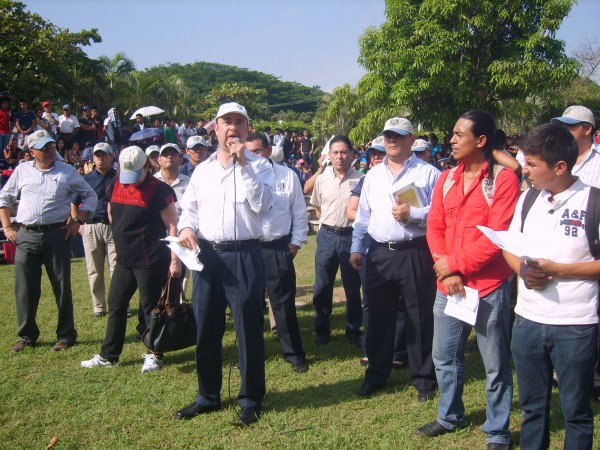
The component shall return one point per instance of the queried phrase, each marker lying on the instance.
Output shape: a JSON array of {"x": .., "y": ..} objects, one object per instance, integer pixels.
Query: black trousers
[
  {"x": 280, "y": 282},
  {"x": 51, "y": 250},
  {"x": 392, "y": 276},
  {"x": 237, "y": 279},
  {"x": 123, "y": 284}
]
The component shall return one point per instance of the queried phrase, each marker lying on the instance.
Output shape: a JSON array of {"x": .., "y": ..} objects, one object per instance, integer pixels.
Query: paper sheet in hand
[
  {"x": 187, "y": 256},
  {"x": 517, "y": 244},
  {"x": 464, "y": 308},
  {"x": 409, "y": 195}
]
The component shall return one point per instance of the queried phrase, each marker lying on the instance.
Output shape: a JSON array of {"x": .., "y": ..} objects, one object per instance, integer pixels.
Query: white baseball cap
[
  {"x": 399, "y": 125},
  {"x": 103, "y": 147},
  {"x": 152, "y": 149},
  {"x": 193, "y": 141},
  {"x": 131, "y": 162},
  {"x": 576, "y": 114},
  {"x": 377, "y": 144},
  {"x": 232, "y": 107},
  {"x": 420, "y": 145},
  {"x": 38, "y": 139},
  {"x": 170, "y": 145},
  {"x": 277, "y": 154}
]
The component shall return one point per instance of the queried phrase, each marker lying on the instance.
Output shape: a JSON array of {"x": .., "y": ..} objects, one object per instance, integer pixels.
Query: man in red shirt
[
  {"x": 4, "y": 121},
  {"x": 474, "y": 193}
]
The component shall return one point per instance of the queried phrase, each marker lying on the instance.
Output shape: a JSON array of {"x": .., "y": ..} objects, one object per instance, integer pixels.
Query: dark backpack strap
[
  {"x": 592, "y": 221},
  {"x": 530, "y": 197}
]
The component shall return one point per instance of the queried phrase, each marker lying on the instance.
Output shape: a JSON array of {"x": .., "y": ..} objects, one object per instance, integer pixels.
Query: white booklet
[
  {"x": 464, "y": 308},
  {"x": 188, "y": 257}
]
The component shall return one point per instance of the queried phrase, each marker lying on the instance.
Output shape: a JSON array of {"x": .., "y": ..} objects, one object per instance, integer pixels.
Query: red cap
[{"x": 45, "y": 104}]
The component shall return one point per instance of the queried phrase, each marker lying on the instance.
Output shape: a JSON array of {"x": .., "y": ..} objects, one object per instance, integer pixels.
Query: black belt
[
  {"x": 402, "y": 245},
  {"x": 228, "y": 246},
  {"x": 44, "y": 228},
  {"x": 275, "y": 243},
  {"x": 99, "y": 220},
  {"x": 340, "y": 231}
]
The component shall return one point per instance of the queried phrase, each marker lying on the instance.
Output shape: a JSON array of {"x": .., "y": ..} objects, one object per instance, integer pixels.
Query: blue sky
[{"x": 314, "y": 42}]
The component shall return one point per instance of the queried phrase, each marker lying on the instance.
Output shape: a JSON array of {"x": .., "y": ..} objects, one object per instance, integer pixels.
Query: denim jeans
[
  {"x": 493, "y": 339},
  {"x": 571, "y": 351},
  {"x": 333, "y": 252}
]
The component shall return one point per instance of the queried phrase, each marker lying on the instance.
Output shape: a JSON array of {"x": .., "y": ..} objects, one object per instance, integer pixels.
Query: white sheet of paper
[
  {"x": 188, "y": 257},
  {"x": 516, "y": 243},
  {"x": 464, "y": 308}
]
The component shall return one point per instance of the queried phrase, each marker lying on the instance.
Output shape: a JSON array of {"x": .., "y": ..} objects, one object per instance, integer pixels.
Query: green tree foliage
[
  {"x": 439, "y": 58},
  {"x": 39, "y": 60},
  {"x": 202, "y": 77}
]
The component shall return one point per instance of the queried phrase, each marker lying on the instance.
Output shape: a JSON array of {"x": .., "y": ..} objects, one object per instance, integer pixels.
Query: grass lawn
[{"x": 45, "y": 395}]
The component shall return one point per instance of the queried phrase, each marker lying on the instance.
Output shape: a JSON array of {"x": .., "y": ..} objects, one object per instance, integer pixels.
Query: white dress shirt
[
  {"x": 215, "y": 199},
  {"x": 289, "y": 209},
  {"x": 589, "y": 169},
  {"x": 374, "y": 213},
  {"x": 179, "y": 186}
]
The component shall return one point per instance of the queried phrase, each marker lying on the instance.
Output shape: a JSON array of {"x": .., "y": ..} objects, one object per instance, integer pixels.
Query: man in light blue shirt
[
  {"x": 393, "y": 209},
  {"x": 45, "y": 188}
]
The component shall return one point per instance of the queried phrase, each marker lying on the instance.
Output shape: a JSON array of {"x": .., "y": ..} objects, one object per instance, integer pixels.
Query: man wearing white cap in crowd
[
  {"x": 422, "y": 150},
  {"x": 68, "y": 126},
  {"x": 399, "y": 264},
  {"x": 579, "y": 120},
  {"x": 45, "y": 188},
  {"x": 97, "y": 236},
  {"x": 285, "y": 227},
  {"x": 197, "y": 151},
  {"x": 152, "y": 153},
  {"x": 223, "y": 210},
  {"x": 142, "y": 212}
]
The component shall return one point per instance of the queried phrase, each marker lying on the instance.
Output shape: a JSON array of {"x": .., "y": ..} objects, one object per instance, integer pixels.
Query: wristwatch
[{"x": 78, "y": 220}]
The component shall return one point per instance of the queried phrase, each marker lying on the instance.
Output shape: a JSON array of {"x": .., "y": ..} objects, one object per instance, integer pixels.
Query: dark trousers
[
  {"x": 125, "y": 281},
  {"x": 280, "y": 282},
  {"x": 401, "y": 275},
  {"x": 52, "y": 250},
  {"x": 236, "y": 279},
  {"x": 333, "y": 252},
  {"x": 400, "y": 339}
]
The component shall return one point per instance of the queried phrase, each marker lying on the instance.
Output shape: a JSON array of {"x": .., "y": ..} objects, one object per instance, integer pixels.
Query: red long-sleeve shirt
[{"x": 451, "y": 227}]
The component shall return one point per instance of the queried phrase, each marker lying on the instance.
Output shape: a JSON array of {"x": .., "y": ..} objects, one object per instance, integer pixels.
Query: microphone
[{"x": 235, "y": 156}]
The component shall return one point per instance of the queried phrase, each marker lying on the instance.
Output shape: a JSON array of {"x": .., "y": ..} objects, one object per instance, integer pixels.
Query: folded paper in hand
[
  {"x": 409, "y": 195},
  {"x": 463, "y": 308},
  {"x": 187, "y": 256}
]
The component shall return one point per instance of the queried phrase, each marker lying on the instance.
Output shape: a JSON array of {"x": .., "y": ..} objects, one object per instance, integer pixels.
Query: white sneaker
[
  {"x": 97, "y": 361},
  {"x": 151, "y": 363}
]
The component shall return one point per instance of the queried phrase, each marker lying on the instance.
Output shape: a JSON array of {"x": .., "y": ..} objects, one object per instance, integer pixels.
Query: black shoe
[
  {"x": 432, "y": 429},
  {"x": 367, "y": 390},
  {"x": 354, "y": 340},
  {"x": 191, "y": 411},
  {"x": 596, "y": 394},
  {"x": 321, "y": 340},
  {"x": 300, "y": 366},
  {"x": 99, "y": 314},
  {"x": 248, "y": 416},
  {"x": 425, "y": 396},
  {"x": 237, "y": 365},
  {"x": 497, "y": 446}
]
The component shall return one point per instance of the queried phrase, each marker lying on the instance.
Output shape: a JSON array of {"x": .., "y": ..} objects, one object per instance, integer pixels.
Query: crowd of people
[{"x": 399, "y": 218}]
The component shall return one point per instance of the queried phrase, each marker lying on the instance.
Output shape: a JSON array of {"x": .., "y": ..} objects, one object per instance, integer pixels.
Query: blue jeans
[
  {"x": 493, "y": 339},
  {"x": 571, "y": 351},
  {"x": 333, "y": 252}
]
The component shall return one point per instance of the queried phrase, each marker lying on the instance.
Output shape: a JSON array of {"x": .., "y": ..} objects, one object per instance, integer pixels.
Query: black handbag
[{"x": 172, "y": 325}]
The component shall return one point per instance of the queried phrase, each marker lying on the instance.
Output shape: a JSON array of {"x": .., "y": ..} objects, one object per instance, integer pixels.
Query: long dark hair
[{"x": 483, "y": 124}]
